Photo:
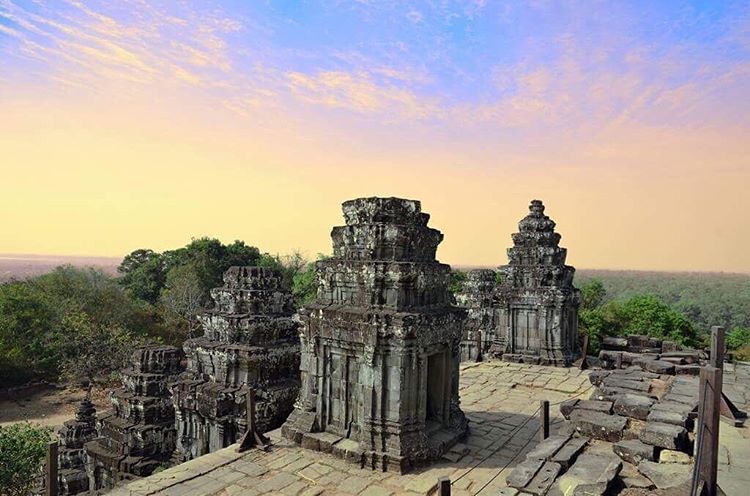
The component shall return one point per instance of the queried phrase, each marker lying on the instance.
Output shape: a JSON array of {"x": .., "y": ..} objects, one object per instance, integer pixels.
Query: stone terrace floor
[{"x": 501, "y": 401}]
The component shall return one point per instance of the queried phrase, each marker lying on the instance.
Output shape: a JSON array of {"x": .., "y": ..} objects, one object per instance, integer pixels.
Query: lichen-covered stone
[
  {"x": 665, "y": 475},
  {"x": 250, "y": 339},
  {"x": 380, "y": 343},
  {"x": 536, "y": 304}
]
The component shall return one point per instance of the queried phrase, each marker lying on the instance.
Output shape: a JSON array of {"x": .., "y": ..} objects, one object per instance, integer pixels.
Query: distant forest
[{"x": 705, "y": 298}]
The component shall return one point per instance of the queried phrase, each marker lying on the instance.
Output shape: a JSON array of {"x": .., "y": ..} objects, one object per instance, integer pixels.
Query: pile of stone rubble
[
  {"x": 654, "y": 355},
  {"x": 633, "y": 434}
]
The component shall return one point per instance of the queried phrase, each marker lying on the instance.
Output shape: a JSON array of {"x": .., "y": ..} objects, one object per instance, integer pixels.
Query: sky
[{"x": 133, "y": 124}]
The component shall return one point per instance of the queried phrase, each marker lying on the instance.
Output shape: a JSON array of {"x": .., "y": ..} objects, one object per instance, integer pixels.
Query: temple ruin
[
  {"x": 250, "y": 341},
  {"x": 479, "y": 327},
  {"x": 73, "y": 435},
  {"x": 380, "y": 343},
  {"x": 536, "y": 304},
  {"x": 138, "y": 435}
]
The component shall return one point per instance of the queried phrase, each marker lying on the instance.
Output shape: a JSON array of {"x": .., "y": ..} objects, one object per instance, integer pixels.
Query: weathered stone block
[
  {"x": 566, "y": 455},
  {"x": 590, "y": 475},
  {"x": 598, "y": 425},
  {"x": 634, "y": 451},
  {"x": 671, "y": 456},
  {"x": 634, "y": 406},
  {"x": 665, "y": 475},
  {"x": 658, "y": 366},
  {"x": 667, "y": 436}
]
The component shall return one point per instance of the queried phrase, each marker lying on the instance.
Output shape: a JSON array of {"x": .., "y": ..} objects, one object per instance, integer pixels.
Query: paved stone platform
[{"x": 501, "y": 401}]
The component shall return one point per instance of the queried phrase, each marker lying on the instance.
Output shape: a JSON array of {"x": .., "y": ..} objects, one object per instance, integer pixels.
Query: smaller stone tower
[
  {"x": 476, "y": 295},
  {"x": 250, "y": 340},
  {"x": 72, "y": 456},
  {"x": 138, "y": 435},
  {"x": 536, "y": 304}
]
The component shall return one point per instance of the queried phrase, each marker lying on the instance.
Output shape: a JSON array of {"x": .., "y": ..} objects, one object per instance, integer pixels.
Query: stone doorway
[{"x": 436, "y": 412}]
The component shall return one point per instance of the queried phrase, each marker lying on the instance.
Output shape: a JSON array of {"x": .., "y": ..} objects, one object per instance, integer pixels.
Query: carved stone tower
[
  {"x": 380, "y": 344},
  {"x": 479, "y": 328},
  {"x": 536, "y": 304},
  {"x": 250, "y": 340},
  {"x": 73, "y": 435}
]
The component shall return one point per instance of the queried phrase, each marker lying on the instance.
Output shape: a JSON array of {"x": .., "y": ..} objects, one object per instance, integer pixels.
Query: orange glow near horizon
[{"x": 111, "y": 149}]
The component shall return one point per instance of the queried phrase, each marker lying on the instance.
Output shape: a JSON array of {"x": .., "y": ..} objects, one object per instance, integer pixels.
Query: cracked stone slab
[{"x": 568, "y": 453}]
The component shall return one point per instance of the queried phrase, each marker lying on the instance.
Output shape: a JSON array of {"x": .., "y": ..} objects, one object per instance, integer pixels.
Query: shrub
[{"x": 23, "y": 447}]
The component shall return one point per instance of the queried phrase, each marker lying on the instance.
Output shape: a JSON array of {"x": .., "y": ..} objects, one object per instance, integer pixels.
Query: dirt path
[{"x": 50, "y": 407}]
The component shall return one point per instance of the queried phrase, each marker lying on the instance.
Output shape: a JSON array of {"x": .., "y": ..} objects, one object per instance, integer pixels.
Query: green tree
[
  {"x": 738, "y": 337},
  {"x": 22, "y": 449},
  {"x": 592, "y": 294},
  {"x": 305, "y": 281},
  {"x": 458, "y": 277},
  {"x": 647, "y": 314},
  {"x": 182, "y": 299},
  {"x": 92, "y": 352}
]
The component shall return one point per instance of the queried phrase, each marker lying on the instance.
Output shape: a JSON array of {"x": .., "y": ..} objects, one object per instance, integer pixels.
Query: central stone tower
[
  {"x": 536, "y": 304},
  {"x": 380, "y": 344}
]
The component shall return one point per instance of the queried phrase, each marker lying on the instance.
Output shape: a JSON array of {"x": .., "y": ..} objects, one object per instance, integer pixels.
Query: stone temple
[
  {"x": 536, "y": 304},
  {"x": 479, "y": 328},
  {"x": 250, "y": 340},
  {"x": 380, "y": 344},
  {"x": 138, "y": 435}
]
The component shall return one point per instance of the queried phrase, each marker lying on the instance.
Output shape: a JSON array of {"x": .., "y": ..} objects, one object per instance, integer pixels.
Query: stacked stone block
[
  {"x": 138, "y": 435},
  {"x": 250, "y": 340},
  {"x": 536, "y": 304},
  {"x": 380, "y": 343},
  {"x": 73, "y": 478}
]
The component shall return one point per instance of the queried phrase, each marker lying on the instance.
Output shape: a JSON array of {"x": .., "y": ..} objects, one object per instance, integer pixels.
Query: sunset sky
[{"x": 142, "y": 124}]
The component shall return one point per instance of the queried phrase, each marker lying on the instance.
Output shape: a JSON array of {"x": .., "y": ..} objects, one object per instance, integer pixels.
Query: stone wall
[{"x": 476, "y": 296}]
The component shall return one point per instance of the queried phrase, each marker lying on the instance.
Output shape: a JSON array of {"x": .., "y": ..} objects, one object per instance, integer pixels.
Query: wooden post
[
  {"x": 51, "y": 485},
  {"x": 709, "y": 400},
  {"x": 584, "y": 352},
  {"x": 444, "y": 486},
  {"x": 544, "y": 419},
  {"x": 252, "y": 438},
  {"x": 717, "y": 347},
  {"x": 479, "y": 346},
  {"x": 618, "y": 361}
]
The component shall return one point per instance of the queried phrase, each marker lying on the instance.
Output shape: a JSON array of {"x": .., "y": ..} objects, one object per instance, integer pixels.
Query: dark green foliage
[
  {"x": 23, "y": 447},
  {"x": 648, "y": 314},
  {"x": 458, "y": 277},
  {"x": 144, "y": 273},
  {"x": 33, "y": 311},
  {"x": 305, "y": 282},
  {"x": 738, "y": 337},
  {"x": 707, "y": 299},
  {"x": 90, "y": 352},
  {"x": 592, "y": 294}
]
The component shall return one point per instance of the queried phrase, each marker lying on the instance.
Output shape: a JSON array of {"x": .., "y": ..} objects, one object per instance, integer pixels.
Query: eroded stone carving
[
  {"x": 476, "y": 295},
  {"x": 138, "y": 435},
  {"x": 250, "y": 340},
  {"x": 536, "y": 304},
  {"x": 73, "y": 435},
  {"x": 380, "y": 344}
]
